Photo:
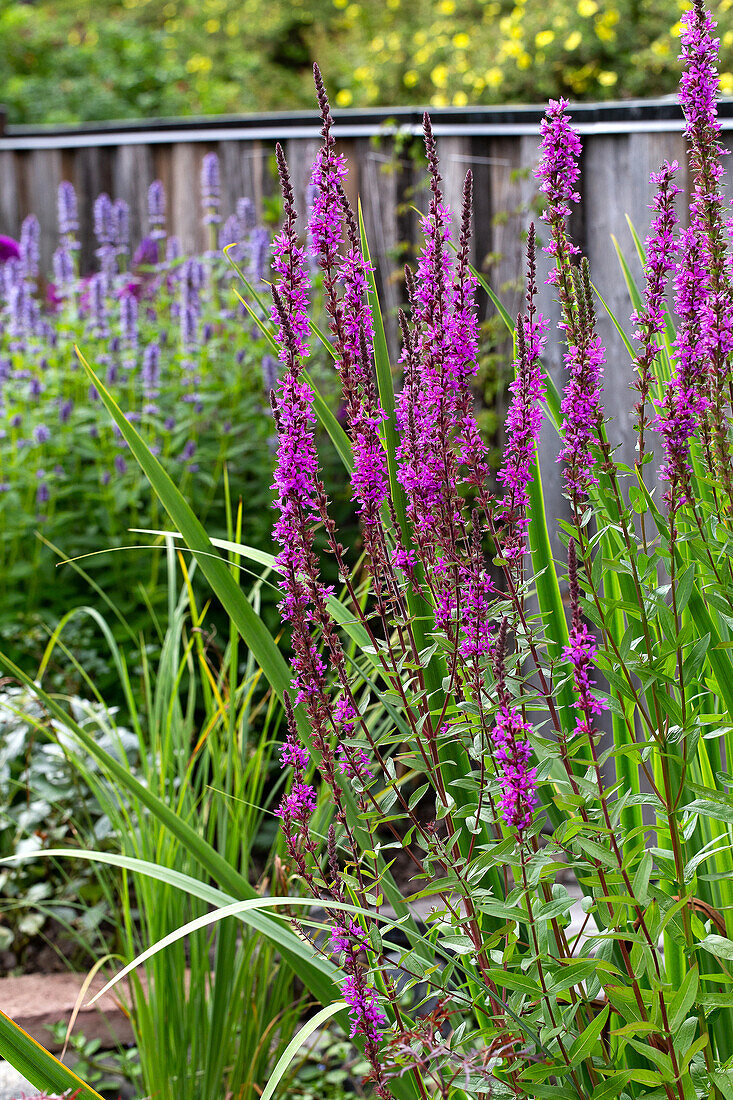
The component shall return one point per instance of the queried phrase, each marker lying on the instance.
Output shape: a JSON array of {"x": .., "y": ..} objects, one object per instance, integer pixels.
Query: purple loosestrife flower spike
[
  {"x": 350, "y": 320},
  {"x": 698, "y": 92},
  {"x": 661, "y": 254},
  {"x": 289, "y": 263},
  {"x": 511, "y": 747},
  {"x": 524, "y": 420},
  {"x": 430, "y": 406},
  {"x": 558, "y": 173},
  {"x": 681, "y": 413},
  {"x": 580, "y": 652},
  {"x": 210, "y": 189},
  {"x": 156, "y": 210}
]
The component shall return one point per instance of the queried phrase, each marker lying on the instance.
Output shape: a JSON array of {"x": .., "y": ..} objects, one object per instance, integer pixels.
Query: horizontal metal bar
[{"x": 637, "y": 116}]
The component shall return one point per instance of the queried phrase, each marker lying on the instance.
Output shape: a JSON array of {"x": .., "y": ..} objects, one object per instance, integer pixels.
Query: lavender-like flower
[
  {"x": 30, "y": 249},
  {"x": 121, "y": 227},
  {"x": 98, "y": 304},
  {"x": 68, "y": 215},
  {"x": 63, "y": 270},
  {"x": 246, "y": 215},
  {"x": 104, "y": 230},
  {"x": 41, "y": 434},
  {"x": 210, "y": 189},
  {"x": 156, "y": 210},
  {"x": 259, "y": 251},
  {"x": 150, "y": 378}
]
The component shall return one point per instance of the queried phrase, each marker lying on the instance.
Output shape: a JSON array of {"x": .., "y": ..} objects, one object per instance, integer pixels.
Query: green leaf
[
  {"x": 587, "y": 1041},
  {"x": 720, "y": 946},
  {"x": 612, "y": 1086},
  {"x": 295, "y": 1044},
  {"x": 684, "y": 998},
  {"x": 37, "y": 1065}
]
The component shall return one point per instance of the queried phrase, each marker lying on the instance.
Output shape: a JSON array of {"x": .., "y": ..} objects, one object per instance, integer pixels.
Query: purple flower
[
  {"x": 289, "y": 264},
  {"x": 30, "y": 244},
  {"x": 230, "y": 234},
  {"x": 63, "y": 269},
  {"x": 523, "y": 421},
  {"x": 512, "y": 750},
  {"x": 9, "y": 249},
  {"x": 128, "y": 320},
  {"x": 366, "y": 1017},
  {"x": 259, "y": 248},
  {"x": 121, "y": 226},
  {"x": 558, "y": 173},
  {"x": 146, "y": 253},
  {"x": 582, "y": 414},
  {"x": 41, "y": 434},
  {"x": 269, "y": 372},
  {"x": 104, "y": 222},
  {"x": 120, "y": 464},
  {"x": 210, "y": 189},
  {"x": 65, "y": 410},
  {"x": 681, "y": 412},
  {"x": 580, "y": 651},
  {"x": 661, "y": 254},
  {"x": 68, "y": 214},
  {"x": 42, "y": 492},
  {"x": 156, "y": 211},
  {"x": 246, "y": 214}
]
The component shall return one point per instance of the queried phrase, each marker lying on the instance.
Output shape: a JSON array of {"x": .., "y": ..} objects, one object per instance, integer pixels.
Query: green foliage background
[{"x": 80, "y": 60}]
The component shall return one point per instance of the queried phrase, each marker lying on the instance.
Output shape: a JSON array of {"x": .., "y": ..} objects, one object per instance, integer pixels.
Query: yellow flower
[
  {"x": 439, "y": 76},
  {"x": 393, "y": 4},
  {"x": 460, "y": 99},
  {"x": 461, "y": 41},
  {"x": 544, "y": 38},
  {"x": 726, "y": 83},
  {"x": 676, "y": 30},
  {"x": 728, "y": 38},
  {"x": 439, "y": 100},
  {"x": 410, "y": 78},
  {"x": 197, "y": 63},
  {"x": 493, "y": 77},
  {"x": 573, "y": 40},
  {"x": 523, "y": 60},
  {"x": 212, "y": 26},
  {"x": 344, "y": 98},
  {"x": 606, "y": 79},
  {"x": 586, "y": 8},
  {"x": 446, "y": 7},
  {"x": 340, "y": 3},
  {"x": 606, "y": 34},
  {"x": 377, "y": 44}
]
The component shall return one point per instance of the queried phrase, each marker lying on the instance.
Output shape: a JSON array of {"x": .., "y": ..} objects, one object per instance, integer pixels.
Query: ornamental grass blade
[
  {"x": 38, "y": 1065},
  {"x": 300, "y": 1037}
]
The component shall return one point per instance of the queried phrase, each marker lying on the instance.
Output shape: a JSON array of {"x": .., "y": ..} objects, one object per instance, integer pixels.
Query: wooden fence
[{"x": 623, "y": 143}]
